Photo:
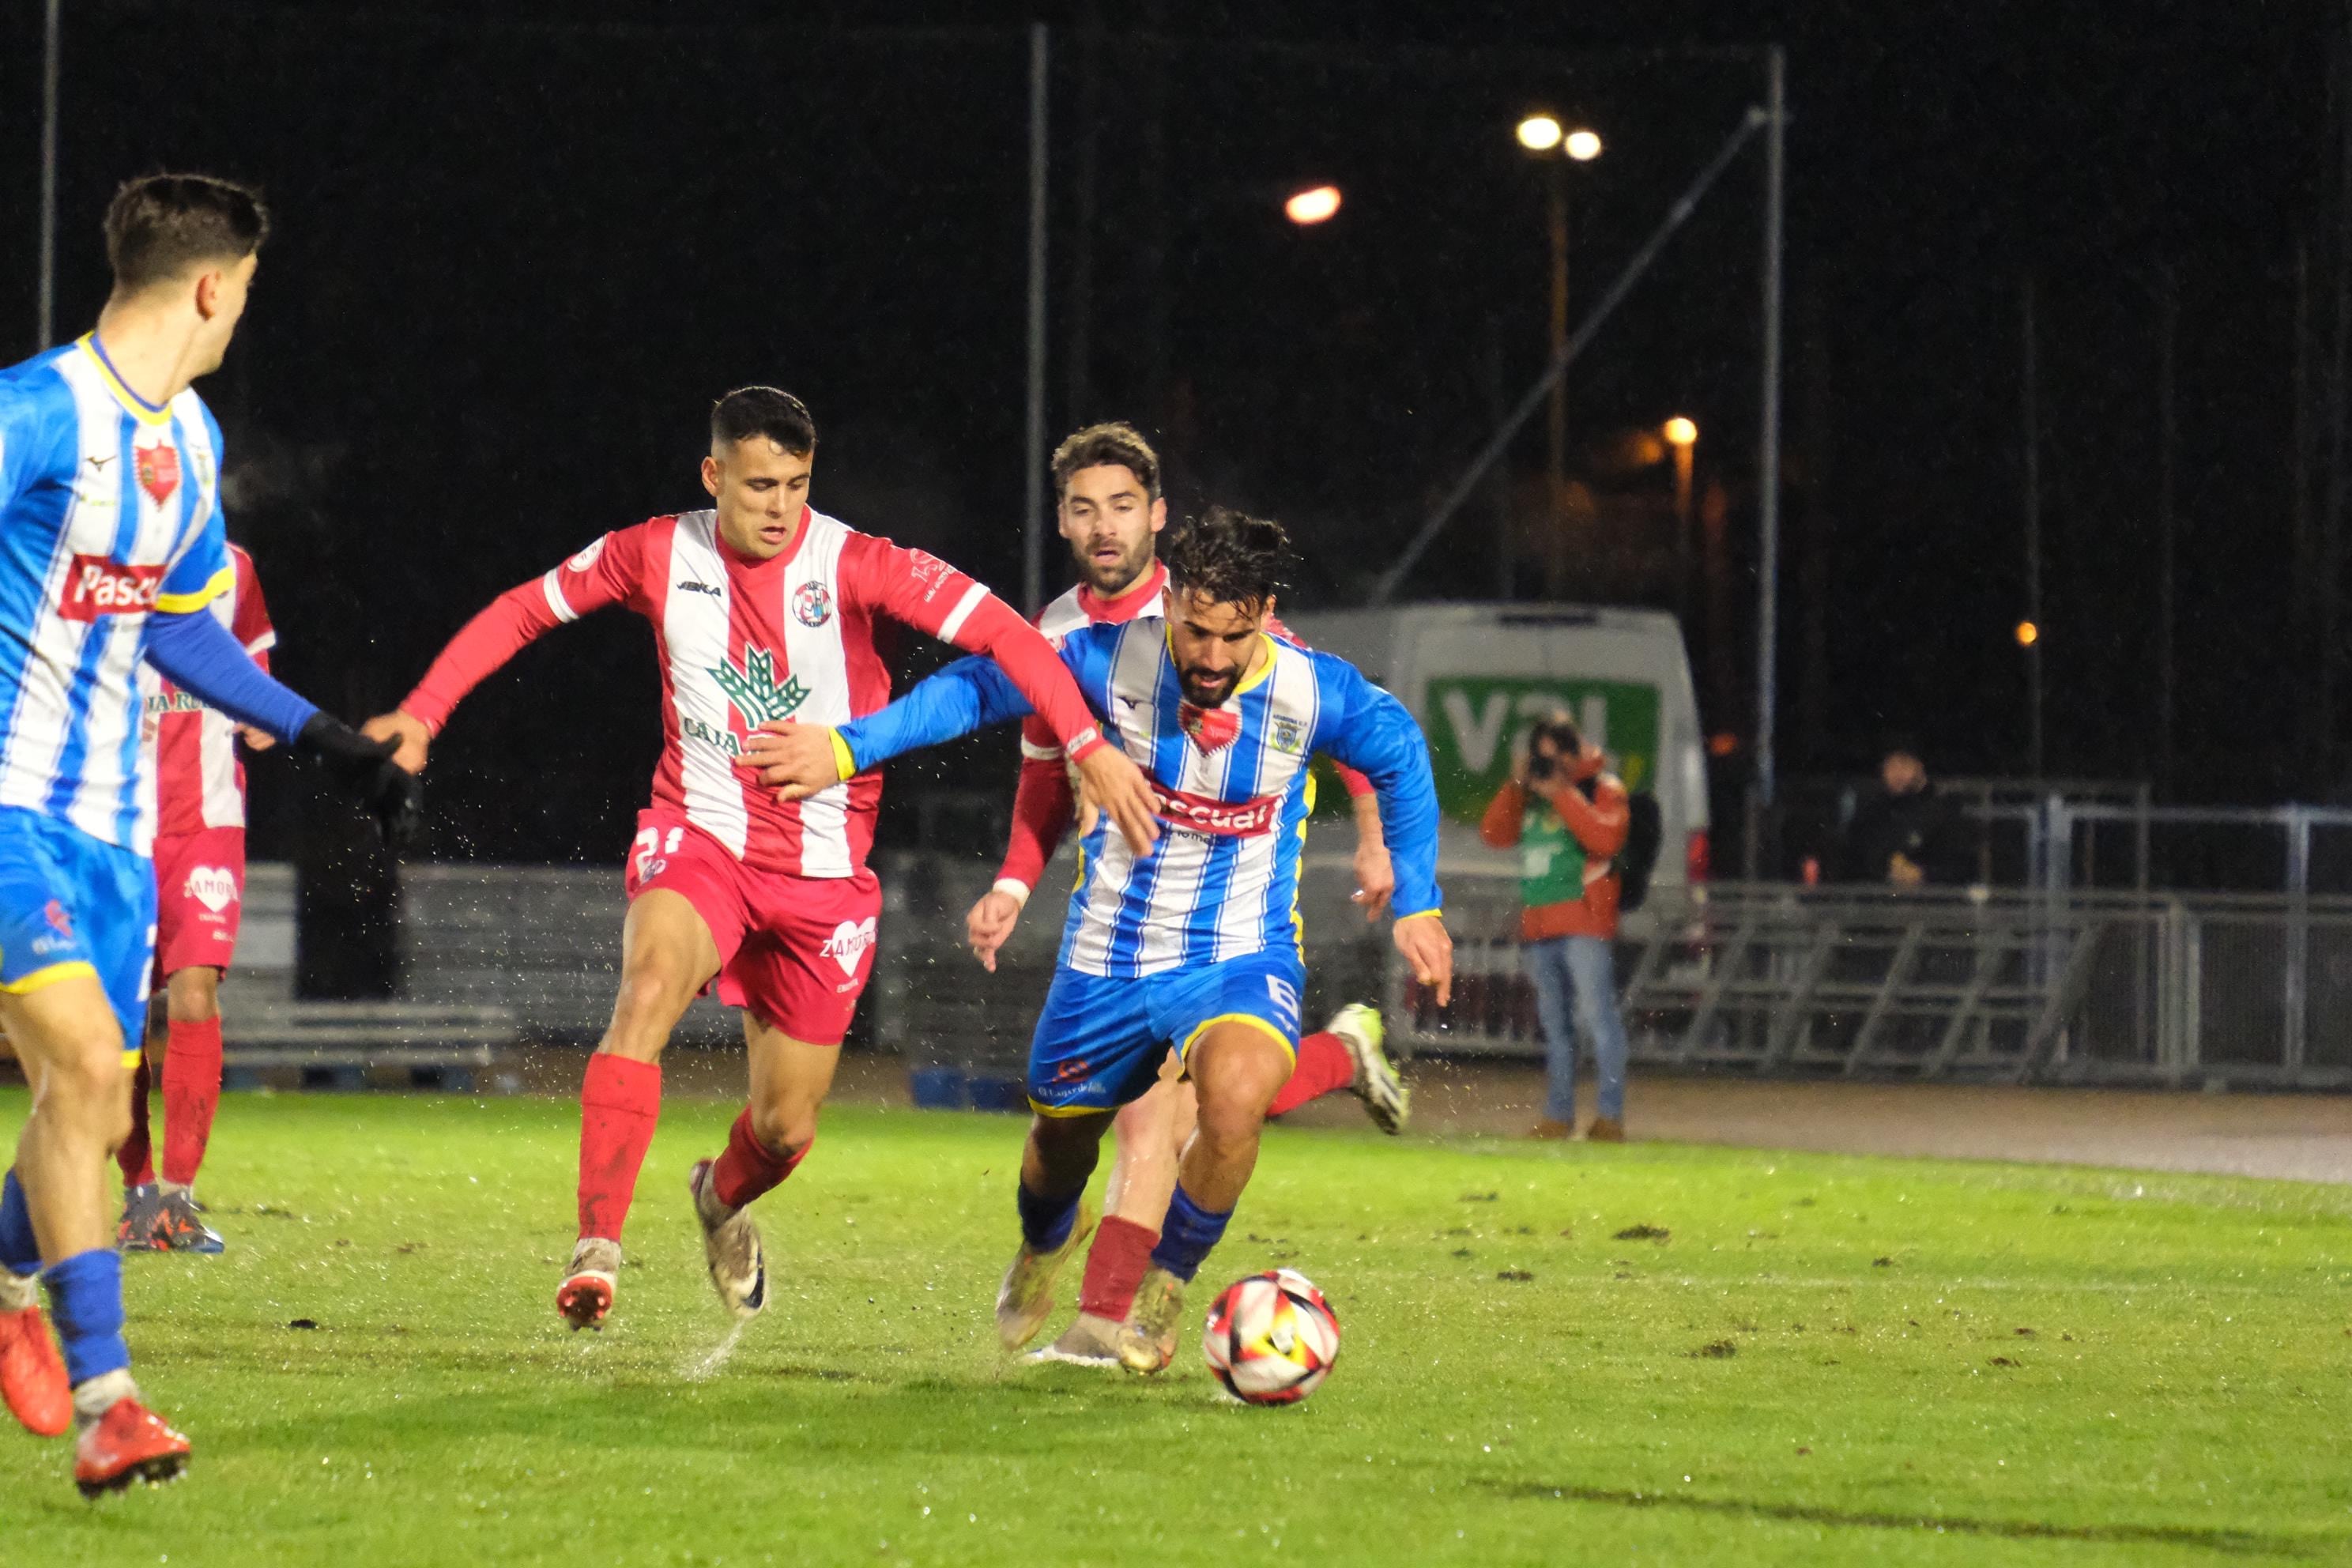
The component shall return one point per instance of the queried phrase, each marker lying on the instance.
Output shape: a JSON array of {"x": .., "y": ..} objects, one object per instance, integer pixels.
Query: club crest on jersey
[
  {"x": 812, "y": 605},
  {"x": 753, "y": 689},
  {"x": 1289, "y": 736},
  {"x": 1211, "y": 727},
  {"x": 158, "y": 468},
  {"x": 848, "y": 943}
]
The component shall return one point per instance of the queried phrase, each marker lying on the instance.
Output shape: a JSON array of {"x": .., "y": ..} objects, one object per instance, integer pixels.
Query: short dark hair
[
  {"x": 751, "y": 411},
  {"x": 1228, "y": 557},
  {"x": 159, "y": 226},
  {"x": 1099, "y": 446}
]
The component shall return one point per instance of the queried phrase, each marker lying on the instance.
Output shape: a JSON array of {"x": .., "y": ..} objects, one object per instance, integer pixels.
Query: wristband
[
  {"x": 1017, "y": 890},
  {"x": 844, "y": 764}
]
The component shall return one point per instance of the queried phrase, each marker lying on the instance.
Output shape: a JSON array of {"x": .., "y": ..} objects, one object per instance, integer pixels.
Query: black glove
[{"x": 391, "y": 795}]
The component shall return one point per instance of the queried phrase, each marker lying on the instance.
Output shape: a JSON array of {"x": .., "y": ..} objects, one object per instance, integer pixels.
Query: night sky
[{"x": 517, "y": 257}]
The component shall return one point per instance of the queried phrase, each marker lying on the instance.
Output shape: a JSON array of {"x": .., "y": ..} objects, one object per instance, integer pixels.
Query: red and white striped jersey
[
  {"x": 743, "y": 642},
  {"x": 199, "y": 780}
]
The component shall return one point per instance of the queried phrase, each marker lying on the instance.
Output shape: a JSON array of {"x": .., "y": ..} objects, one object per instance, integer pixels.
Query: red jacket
[{"x": 1600, "y": 825}]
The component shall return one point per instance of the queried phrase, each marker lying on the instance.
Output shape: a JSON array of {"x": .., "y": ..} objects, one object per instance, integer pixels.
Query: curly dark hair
[
  {"x": 1228, "y": 557},
  {"x": 1114, "y": 444}
]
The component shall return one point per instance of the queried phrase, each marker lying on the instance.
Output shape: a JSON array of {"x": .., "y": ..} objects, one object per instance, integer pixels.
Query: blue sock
[
  {"x": 1187, "y": 1234},
  {"x": 86, "y": 1304},
  {"x": 19, "y": 1253},
  {"x": 1044, "y": 1222}
]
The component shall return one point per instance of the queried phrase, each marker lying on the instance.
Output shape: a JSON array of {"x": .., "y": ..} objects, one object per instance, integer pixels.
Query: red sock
[
  {"x": 620, "y": 1101},
  {"x": 191, "y": 1079},
  {"x": 1115, "y": 1266},
  {"x": 1324, "y": 1065},
  {"x": 748, "y": 1167},
  {"x": 137, "y": 1156}
]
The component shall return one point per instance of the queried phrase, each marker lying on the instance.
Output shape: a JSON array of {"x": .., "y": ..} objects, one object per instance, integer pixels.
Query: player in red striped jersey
[
  {"x": 199, "y": 897},
  {"x": 763, "y": 609},
  {"x": 1107, "y": 493}
]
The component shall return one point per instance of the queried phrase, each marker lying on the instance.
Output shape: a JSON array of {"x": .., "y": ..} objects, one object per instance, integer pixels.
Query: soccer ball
[{"x": 1271, "y": 1338}]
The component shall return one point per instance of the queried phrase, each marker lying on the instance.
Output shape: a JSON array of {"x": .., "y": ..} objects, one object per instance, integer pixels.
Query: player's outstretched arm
[
  {"x": 1368, "y": 729},
  {"x": 1043, "y": 810},
  {"x": 201, "y": 657},
  {"x": 606, "y": 573}
]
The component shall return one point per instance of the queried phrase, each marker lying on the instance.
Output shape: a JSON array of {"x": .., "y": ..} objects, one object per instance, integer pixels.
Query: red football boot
[
  {"x": 129, "y": 1443},
  {"x": 32, "y": 1376}
]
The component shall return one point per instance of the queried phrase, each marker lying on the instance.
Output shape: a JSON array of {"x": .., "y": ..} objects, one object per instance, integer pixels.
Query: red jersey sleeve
[
  {"x": 608, "y": 571},
  {"x": 1043, "y": 810},
  {"x": 919, "y": 589},
  {"x": 250, "y": 624}
]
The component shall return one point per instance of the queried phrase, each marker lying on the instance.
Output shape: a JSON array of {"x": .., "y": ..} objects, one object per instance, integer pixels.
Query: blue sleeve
[
  {"x": 970, "y": 694},
  {"x": 1364, "y": 727},
  {"x": 37, "y": 427},
  {"x": 201, "y": 657}
]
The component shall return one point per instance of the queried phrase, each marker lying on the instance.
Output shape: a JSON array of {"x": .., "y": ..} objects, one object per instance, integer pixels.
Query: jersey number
[
  {"x": 644, "y": 848},
  {"x": 1286, "y": 999}
]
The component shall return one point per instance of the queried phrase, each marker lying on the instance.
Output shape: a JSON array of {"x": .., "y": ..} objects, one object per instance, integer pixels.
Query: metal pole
[
  {"x": 1033, "y": 509},
  {"x": 1524, "y": 409},
  {"x": 52, "y": 54},
  {"x": 2167, "y": 528},
  {"x": 2032, "y": 540},
  {"x": 1556, "y": 436},
  {"x": 1767, "y": 453}
]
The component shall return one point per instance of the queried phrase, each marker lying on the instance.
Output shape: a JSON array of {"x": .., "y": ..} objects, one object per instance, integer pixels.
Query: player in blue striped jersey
[
  {"x": 110, "y": 548},
  {"x": 1194, "y": 945}
]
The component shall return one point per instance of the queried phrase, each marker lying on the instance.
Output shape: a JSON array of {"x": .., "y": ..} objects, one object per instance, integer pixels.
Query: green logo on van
[{"x": 1473, "y": 720}]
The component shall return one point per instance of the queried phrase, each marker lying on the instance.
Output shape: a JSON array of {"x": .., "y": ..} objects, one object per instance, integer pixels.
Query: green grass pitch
[{"x": 1811, "y": 1360}]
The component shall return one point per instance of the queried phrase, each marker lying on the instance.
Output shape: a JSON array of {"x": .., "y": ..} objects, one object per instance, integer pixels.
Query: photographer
[{"x": 1568, "y": 816}]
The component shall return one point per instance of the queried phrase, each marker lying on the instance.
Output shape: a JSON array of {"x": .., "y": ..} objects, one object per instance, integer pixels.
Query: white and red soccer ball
[{"x": 1271, "y": 1338}]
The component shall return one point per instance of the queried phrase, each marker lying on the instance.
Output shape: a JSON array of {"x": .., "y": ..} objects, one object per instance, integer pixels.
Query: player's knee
[
  {"x": 653, "y": 995},
  {"x": 88, "y": 1086}
]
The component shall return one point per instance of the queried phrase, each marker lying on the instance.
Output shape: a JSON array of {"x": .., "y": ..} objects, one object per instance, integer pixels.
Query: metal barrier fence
[
  {"x": 2160, "y": 989},
  {"x": 2060, "y": 985}
]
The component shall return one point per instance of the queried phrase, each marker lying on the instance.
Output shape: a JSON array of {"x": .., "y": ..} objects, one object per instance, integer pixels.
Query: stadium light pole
[
  {"x": 1033, "y": 508},
  {"x": 1546, "y": 138},
  {"x": 1768, "y": 470},
  {"x": 52, "y": 50}
]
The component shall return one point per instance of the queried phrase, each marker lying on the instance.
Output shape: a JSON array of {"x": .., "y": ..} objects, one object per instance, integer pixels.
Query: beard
[
  {"x": 1202, "y": 689},
  {"x": 1120, "y": 573}
]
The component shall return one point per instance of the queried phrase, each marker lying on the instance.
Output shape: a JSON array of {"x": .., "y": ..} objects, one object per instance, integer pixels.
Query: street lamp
[
  {"x": 1313, "y": 206},
  {"x": 1544, "y": 136},
  {"x": 1682, "y": 435}
]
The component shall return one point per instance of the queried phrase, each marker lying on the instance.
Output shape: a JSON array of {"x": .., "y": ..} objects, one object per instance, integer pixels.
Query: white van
[{"x": 1477, "y": 676}]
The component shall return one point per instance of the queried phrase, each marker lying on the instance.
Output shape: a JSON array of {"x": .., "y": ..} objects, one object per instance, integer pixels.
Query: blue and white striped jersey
[
  {"x": 110, "y": 509},
  {"x": 1223, "y": 881}
]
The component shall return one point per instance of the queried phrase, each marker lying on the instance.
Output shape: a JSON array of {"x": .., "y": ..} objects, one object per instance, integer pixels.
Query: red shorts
[
  {"x": 795, "y": 950},
  {"x": 199, "y": 899}
]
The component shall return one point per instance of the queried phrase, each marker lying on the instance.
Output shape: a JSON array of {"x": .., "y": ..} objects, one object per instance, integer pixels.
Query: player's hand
[
  {"x": 407, "y": 732},
  {"x": 365, "y": 767},
  {"x": 795, "y": 760},
  {"x": 1422, "y": 940},
  {"x": 257, "y": 739},
  {"x": 1115, "y": 785},
  {"x": 1375, "y": 878},
  {"x": 991, "y": 921}
]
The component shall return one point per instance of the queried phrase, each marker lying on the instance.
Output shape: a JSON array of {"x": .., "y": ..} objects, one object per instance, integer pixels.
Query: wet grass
[{"x": 1551, "y": 1353}]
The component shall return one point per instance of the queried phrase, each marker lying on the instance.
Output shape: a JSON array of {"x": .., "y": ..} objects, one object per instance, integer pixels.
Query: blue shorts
[
  {"x": 71, "y": 904},
  {"x": 1099, "y": 1042}
]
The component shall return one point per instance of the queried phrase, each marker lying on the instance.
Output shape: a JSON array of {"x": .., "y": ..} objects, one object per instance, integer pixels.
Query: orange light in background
[
  {"x": 1722, "y": 744},
  {"x": 1680, "y": 432},
  {"x": 1312, "y": 206},
  {"x": 1582, "y": 145},
  {"x": 1539, "y": 134},
  {"x": 2028, "y": 633}
]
